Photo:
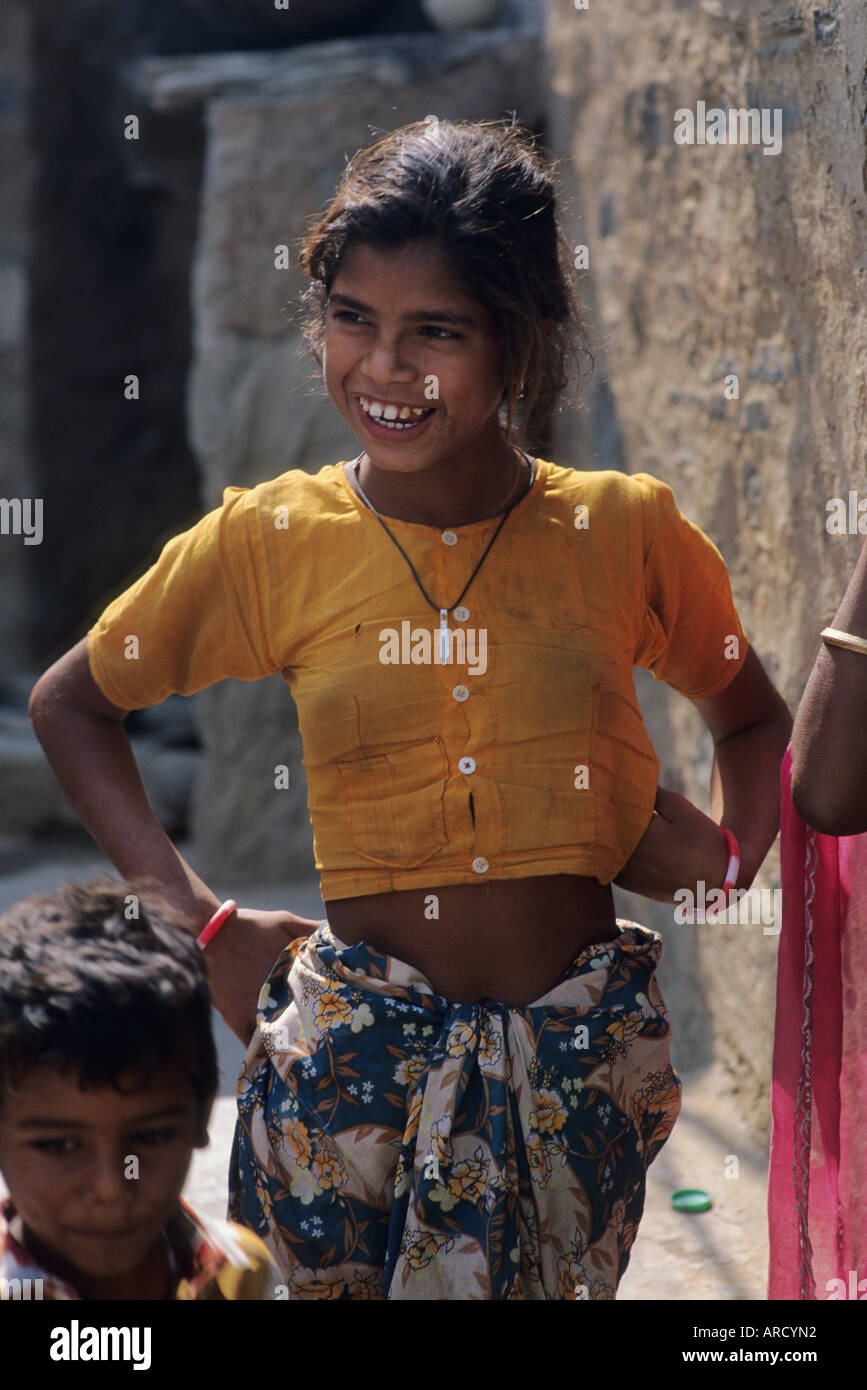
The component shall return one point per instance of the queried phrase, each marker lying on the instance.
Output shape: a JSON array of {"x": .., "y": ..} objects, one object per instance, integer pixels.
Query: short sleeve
[
  {"x": 691, "y": 636},
  {"x": 195, "y": 617}
]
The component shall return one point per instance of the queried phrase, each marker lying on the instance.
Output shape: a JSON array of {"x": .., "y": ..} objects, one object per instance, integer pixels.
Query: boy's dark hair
[
  {"x": 481, "y": 191},
  {"x": 101, "y": 979}
]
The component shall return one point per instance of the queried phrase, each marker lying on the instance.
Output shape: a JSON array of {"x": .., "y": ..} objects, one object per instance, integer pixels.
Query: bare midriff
[{"x": 508, "y": 940}]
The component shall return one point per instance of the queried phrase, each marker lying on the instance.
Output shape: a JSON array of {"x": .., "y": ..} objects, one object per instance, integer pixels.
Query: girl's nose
[{"x": 386, "y": 361}]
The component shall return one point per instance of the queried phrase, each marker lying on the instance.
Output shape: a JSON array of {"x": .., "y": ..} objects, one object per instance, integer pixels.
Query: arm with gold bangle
[{"x": 835, "y": 638}]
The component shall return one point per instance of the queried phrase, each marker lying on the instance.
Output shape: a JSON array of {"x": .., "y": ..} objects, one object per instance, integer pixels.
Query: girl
[{"x": 455, "y": 1083}]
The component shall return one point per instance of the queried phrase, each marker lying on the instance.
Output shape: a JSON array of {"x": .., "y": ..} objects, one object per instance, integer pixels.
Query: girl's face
[{"x": 402, "y": 336}]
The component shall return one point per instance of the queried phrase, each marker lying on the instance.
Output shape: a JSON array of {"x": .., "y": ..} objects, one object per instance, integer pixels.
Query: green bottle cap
[{"x": 690, "y": 1199}]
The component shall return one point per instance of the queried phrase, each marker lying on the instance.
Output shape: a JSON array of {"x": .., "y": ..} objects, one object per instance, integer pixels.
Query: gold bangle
[{"x": 835, "y": 638}]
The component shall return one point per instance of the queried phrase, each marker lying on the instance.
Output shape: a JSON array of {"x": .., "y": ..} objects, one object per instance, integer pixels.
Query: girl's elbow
[{"x": 830, "y": 808}]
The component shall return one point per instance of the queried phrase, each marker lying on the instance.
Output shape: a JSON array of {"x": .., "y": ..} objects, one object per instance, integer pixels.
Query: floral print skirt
[{"x": 393, "y": 1145}]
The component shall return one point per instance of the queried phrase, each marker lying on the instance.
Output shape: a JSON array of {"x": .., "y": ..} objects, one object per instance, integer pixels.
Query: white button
[
  {"x": 467, "y": 765},
  {"x": 450, "y": 538},
  {"x": 480, "y": 865},
  {"x": 460, "y": 692},
  {"x": 462, "y": 614}
]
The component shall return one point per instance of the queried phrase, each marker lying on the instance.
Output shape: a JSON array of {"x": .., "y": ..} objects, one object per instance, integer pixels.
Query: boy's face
[{"x": 96, "y": 1173}]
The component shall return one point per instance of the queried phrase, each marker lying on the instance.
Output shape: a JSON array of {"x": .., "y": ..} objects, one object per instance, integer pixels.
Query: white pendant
[{"x": 445, "y": 653}]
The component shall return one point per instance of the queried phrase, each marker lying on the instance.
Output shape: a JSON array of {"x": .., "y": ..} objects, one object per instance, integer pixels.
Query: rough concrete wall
[
  {"x": 708, "y": 260},
  {"x": 279, "y": 129}
]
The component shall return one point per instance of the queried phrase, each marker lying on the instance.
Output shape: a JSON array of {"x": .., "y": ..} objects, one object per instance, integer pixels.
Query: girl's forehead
[
  {"x": 417, "y": 274},
  {"x": 412, "y": 263}
]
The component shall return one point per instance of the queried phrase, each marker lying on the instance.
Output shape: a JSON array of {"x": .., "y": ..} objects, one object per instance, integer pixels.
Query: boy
[{"x": 108, "y": 1071}]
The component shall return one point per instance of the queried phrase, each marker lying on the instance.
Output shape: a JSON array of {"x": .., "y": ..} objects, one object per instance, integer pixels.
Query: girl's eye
[
  {"x": 153, "y": 1137},
  {"x": 351, "y": 317},
  {"x": 55, "y": 1147}
]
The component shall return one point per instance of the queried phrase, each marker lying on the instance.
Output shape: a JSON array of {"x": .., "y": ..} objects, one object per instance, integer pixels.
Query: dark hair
[
  {"x": 482, "y": 192},
  {"x": 88, "y": 986}
]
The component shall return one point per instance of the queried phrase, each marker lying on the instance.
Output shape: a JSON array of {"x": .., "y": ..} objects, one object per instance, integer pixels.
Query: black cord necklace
[{"x": 443, "y": 612}]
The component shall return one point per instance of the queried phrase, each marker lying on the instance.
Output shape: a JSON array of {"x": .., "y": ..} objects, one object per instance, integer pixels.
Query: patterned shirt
[{"x": 213, "y": 1260}]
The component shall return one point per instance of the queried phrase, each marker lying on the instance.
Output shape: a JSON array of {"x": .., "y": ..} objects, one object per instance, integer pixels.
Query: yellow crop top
[{"x": 526, "y": 752}]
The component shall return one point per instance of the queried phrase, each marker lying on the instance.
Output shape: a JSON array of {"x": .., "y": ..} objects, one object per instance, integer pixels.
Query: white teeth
[{"x": 391, "y": 415}]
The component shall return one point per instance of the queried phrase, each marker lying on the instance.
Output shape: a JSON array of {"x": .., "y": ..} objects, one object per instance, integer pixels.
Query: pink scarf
[{"x": 817, "y": 1182}]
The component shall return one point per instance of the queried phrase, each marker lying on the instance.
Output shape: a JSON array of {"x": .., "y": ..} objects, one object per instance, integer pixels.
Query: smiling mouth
[{"x": 394, "y": 416}]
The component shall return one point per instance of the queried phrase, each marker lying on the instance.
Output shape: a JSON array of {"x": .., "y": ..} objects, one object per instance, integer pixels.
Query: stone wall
[{"x": 709, "y": 261}]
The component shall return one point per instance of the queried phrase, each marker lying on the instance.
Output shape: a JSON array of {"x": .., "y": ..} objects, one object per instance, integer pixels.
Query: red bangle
[
  {"x": 734, "y": 864},
  {"x": 731, "y": 878},
  {"x": 212, "y": 926}
]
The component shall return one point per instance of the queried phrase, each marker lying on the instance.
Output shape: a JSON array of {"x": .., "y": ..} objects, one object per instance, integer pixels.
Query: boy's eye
[
  {"x": 434, "y": 328},
  {"x": 349, "y": 314},
  {"x": 57, "y": 1147}
]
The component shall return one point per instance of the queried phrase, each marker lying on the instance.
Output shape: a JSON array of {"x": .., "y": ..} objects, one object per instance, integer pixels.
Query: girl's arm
[
  {"x": 82, "y": 736},
  {"x": 829, "y": 741},
  {"x": 751, "y": 725}
]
